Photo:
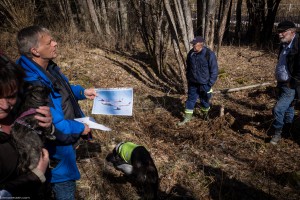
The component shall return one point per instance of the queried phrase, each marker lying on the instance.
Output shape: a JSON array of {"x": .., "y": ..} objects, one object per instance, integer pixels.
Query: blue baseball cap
[{"x": 197, "y": 39}]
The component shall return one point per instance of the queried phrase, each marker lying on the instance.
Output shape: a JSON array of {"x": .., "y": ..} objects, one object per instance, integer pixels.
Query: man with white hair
[{"x": 287, "y": 74}]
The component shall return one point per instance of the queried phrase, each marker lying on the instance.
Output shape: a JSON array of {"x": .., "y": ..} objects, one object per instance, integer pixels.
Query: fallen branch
[{"x": 224, "y": 91}]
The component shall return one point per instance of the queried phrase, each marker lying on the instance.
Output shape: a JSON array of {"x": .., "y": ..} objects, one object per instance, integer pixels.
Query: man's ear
[{"x": 34, "y": 52}]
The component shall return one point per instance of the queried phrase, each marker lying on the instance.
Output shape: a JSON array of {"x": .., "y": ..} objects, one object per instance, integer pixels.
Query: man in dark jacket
[
  {"x": 202, "y": 73},
  {"x": 287, "y": 74}
]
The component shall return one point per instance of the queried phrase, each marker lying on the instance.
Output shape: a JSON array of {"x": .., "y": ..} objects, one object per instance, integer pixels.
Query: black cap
[
  {"x": 197, "y": 39},
  {"x": 285, "y": 25}
]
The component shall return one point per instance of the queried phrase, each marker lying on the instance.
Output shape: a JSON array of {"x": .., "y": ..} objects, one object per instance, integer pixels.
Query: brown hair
[{"x": 11, "y": 76}]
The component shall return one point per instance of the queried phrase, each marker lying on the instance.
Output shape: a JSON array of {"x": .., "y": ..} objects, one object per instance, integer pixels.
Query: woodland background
[{"x": 143, "y": 44}]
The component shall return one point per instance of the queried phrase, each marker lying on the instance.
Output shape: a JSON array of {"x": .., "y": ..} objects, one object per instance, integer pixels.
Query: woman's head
[{"x": 11, "y": 81}]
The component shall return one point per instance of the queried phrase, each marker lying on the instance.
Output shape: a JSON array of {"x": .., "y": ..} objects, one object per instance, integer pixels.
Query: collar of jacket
[
  {"x": 201, "y": 53},
  {"x": 34, "y": 72},
  {"x": 294, "y": 45}
]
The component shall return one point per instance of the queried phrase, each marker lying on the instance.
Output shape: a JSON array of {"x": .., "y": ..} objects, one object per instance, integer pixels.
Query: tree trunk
[
  {"x": 272, "y": 6},
  {"x": 93, "y": 15},
  {"x": 104, "y": 18},
  {"x": 176, "y": 44},
  {"x": 65, "y": 10},
  {"x": 201, "y": 10},
  {"x": 238, "y": 20},
  {"x": 181, "y": 23},
  {"x": 256, "y": 20},
  {"x": 181, "y": 64},
  {"x": 123, "y": 23},
  {"x": 223, "y": 19},
  {"x": 228, "y": 23},
  {"x": 210, "y": 23},
  {"x": 84, "y": 16},
  {"x": 188, "y": 19}
]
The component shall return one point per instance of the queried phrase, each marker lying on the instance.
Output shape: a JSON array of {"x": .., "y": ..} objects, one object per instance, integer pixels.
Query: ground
[{"x": 226, "y": 157}]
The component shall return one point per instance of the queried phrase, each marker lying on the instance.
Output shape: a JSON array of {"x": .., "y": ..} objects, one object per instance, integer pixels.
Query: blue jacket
[
  {"x": 68, "y": 130},
  {"x": 202, "y": 68}
]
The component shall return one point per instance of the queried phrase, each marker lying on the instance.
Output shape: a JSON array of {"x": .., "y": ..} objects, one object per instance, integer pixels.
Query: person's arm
[
  {"x": 213, "y": 69},
  {"x": 81, "y": 93}
]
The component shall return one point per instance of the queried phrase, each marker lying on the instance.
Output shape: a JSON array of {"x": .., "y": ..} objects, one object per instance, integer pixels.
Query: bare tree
[
  {"x": 122, "y": 24},
  {"x": 272, "y": 8},
  {"x": 84, "y": 15},
  {"x": 201, "y": 11},
  {"x": 238, "y": 20},
  {"x": 93, "y": 15},
  {"x": 256, "y": 10},
  {"x": 104, "y": 18},
  {"x": 210, "y": 23},
  {"x": 223, "y": 19},
  {"x": 65, "y": 10}
]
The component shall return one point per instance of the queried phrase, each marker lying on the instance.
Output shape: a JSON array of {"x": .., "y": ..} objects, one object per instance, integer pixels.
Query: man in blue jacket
[
  {"x": 38, "y": 49},
  {"x": 202, "y": 73}
]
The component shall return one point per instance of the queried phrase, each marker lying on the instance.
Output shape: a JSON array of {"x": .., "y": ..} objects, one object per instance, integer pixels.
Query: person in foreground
[
  {"x": 14, "y": 183},
  {"x": 202, "y": 73},
  {"x": 287, "y": 74},
  {"x": 38, "y": 48}
]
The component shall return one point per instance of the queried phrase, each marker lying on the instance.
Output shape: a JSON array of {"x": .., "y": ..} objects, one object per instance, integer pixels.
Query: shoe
[
  {"x": 204, "y": 113},
  {"x": 188, "y": 117},
  {"x": 277, "y": 136},
  {"x": 205, "y": 116},
  {"x": 275, "y": 139}
]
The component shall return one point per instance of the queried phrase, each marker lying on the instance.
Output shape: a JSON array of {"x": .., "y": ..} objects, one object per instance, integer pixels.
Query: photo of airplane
[
  {"x": 116, "y": 104},
  {"x": 113, "y": 101}
]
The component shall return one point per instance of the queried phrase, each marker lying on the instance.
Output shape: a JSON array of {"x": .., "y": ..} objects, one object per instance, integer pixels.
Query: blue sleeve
[
  {"x": 78, "y": 91},
  {"x": 213, "y": 69},
  {"x": 68, "y": 131}
]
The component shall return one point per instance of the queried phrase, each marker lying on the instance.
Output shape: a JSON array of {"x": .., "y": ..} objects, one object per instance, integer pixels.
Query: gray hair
[{"x": 28, "y": 38}]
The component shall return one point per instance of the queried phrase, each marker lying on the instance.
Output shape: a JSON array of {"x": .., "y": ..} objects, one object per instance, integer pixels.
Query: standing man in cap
[
  {"x": 287, "y": 74},
  {"x": 202, "y": 73}
]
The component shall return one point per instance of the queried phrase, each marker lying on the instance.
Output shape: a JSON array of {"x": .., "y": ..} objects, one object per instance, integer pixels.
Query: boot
[
  {"x": 204, "y": 113},
  {"x": 276, "y": 137},
  {"x": 187, "y": 118}
]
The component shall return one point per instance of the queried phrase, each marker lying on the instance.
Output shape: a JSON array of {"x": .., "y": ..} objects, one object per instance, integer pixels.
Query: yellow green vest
[{"x": 125, "y": 150}]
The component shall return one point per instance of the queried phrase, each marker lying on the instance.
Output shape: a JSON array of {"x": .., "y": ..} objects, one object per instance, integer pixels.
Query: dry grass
[
  {"x": 18, "y": 13},
  {"x": 226, "y": 157}
]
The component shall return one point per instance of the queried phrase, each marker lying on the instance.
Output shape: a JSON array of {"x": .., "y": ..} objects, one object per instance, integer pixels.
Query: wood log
[{"x": 224, "y": 91}]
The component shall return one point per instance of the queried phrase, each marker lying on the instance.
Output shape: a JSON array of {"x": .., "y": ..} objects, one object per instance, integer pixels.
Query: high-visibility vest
[{"x": 125, "y": 150}]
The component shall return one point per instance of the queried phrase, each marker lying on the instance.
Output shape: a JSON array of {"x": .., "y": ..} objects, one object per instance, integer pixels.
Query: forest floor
[{"x": 226, "y": 157}]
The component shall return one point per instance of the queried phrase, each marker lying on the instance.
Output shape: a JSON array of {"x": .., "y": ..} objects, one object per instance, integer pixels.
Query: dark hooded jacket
[{"x": 19, "y": 185}]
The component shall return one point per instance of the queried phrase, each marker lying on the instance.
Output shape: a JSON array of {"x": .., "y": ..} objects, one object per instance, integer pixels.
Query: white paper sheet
[{"x": 91, "y": 122}]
